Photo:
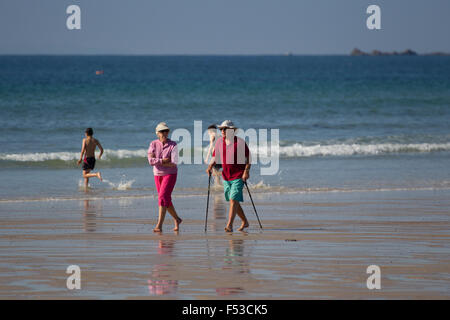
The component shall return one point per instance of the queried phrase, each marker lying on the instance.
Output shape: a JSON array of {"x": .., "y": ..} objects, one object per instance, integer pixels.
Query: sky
[{"x": 222, "y": 26}]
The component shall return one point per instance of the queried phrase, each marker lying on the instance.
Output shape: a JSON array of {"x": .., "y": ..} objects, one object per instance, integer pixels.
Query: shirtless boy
[{"x": 88, "y": 150}]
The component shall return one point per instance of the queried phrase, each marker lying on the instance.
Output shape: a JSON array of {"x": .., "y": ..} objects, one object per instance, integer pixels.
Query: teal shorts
[{"x": 233, "y": 190}]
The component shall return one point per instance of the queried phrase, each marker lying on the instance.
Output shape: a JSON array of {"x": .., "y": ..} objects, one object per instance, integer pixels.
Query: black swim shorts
[{"x": 89, "y": 163}]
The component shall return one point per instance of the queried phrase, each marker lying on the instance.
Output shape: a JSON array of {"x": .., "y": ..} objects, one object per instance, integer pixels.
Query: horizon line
[
  {"x": 288, "y": 54},
  {"x": 173, "y": 54}
]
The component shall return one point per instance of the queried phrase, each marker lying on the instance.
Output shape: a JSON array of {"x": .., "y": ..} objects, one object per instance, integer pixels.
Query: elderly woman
[{"x": 163, "y": 156}]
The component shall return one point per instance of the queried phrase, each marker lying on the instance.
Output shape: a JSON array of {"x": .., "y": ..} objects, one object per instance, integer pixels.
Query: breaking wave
[
  {"x": 300, "y": 150},
  {"x": 124, "y": 157}
]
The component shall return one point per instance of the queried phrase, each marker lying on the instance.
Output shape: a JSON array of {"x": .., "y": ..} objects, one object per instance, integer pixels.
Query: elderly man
[{"x": 233, "y": 153}]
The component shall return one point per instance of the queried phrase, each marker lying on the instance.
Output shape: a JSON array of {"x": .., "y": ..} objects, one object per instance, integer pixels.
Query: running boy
[{"x": 88, "y": 150}]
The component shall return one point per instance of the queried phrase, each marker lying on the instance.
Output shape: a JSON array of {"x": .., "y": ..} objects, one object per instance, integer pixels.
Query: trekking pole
[
  {"x": 207, "y": 200},
  {"x": 248, "y": 190}
]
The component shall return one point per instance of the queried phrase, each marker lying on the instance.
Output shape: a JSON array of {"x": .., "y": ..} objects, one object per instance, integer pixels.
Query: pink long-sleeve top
[{"x": 168, "y": 150}]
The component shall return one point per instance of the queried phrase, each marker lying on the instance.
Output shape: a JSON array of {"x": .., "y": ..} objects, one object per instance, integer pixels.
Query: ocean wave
[
  {"x": 300, "y": 150},
  {"x": 72, "y": 156},
  {"x": 296, "y": 150}
]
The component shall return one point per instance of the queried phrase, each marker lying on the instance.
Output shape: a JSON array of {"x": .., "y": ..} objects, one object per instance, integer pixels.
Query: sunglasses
[{"x": 164, "y": 131}]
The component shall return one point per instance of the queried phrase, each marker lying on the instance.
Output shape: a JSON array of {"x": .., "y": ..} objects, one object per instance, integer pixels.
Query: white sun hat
[
  {"x": 227, "y": 124},
  {"x": 161, "y": 126}
]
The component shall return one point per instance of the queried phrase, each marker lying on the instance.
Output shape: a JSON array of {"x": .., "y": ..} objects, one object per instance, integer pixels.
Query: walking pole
[
  {"x": 248, "y": 190},
  {"x": 207, "y": 200}
]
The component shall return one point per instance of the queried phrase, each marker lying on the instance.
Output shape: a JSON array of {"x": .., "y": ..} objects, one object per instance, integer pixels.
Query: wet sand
[{"x": 313, "y": 246}]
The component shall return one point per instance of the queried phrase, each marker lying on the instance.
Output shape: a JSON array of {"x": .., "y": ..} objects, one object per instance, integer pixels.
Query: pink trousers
[{"x": 164, "y": 186}]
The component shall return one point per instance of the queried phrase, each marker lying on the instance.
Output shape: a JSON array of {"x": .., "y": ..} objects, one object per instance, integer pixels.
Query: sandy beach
[
  {"x": 344, "y": 108},
  {"x": 313, "y": 246}
]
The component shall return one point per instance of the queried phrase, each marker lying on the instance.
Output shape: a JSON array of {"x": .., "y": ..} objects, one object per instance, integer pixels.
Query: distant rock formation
[
  {"x": 408, "y": 52},
  {"x": 357, "y": 52}
]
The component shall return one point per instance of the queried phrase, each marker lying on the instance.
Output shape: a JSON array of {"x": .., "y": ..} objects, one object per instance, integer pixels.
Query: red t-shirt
[{"x": 232, "y": 157}]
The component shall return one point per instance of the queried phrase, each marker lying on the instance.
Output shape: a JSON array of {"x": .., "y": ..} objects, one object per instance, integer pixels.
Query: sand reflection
[
  {"x": 219, "y": 211},
  {"x": 160, "y": 282},
  {"x": 90, "y": 212},
  {"x": 236, "y": 262}
]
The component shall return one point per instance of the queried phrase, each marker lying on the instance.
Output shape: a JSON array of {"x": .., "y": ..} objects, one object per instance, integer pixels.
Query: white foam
[
  {"x": 71, "y": 156},
  {"x": 260, "y": 185},
  {"x": 37, "y": 157},
  {"x": 122, "y": 185},
  {"x": 125, "y": 154},
  {"x": 291, "y": 151},
  {"x": 80, "y": 183},
  {"x": 300, "y": 150}
]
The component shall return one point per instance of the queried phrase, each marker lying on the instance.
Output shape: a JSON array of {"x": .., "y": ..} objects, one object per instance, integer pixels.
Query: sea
[{"x": 345, "y": 124}]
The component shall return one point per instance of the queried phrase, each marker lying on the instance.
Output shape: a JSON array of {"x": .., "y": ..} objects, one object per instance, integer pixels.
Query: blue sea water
[{"x": 345, "y": 123}]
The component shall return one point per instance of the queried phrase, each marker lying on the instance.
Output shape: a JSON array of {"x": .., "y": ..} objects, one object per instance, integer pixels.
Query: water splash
[
  {"x": 80, "y": 184},
  {"x": 122, "y": 185},
  {"x": 260, "y": 185}
]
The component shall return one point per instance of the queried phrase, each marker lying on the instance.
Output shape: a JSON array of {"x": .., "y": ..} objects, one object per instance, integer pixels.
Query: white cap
[
  {"x": 227, "y": 124},
  {"x": 161, "y": 126}
]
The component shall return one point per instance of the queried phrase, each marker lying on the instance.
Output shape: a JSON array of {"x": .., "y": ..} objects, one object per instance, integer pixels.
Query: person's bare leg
[
  {"x": 241, "y": 215},
  {"x": 91, "y": 175},
  {"x": 88, "y": 175},
  {"x": 231, "y": 215},
  {"x": 162, "y": 215},
  {"x": 86, "y": 178},
  {"x": 217, "y": 176},
  {"x": 177, "y": 220}
]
